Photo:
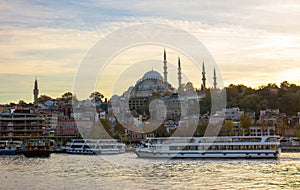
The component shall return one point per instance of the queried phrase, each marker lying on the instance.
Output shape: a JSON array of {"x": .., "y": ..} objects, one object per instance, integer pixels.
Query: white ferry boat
[
  {"x": 211, "y": 147},
  {"x": 94, "y": 146}
]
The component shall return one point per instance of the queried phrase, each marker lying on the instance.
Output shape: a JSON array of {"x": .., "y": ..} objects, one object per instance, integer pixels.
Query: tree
[
  {"x": 205, "y": 103},
  {"x": 22, "y": 103},
  {"x": 161, "y": 131},
  {"x": 100, "y": 131},
  {"x": 228, "y": 126},
  {"x": 44, "y": 98},
  {"x": 297, "y": 132},
  {"x": 246, "y": 122},
  {"x": 96, "y": 97},
  {"x": 282, "y": 127},
  {"x": 119, "y": 130},
  {"x": 201, "y": 129},
  {"x": 290, "y": 103},
  {"x": 106, "y": 125},
  {"x": 67, "y": 96},
  {"x": 264, "y": 126},
  {"x": 284, "y": 85},
  {"x": 249, "y": 102}
]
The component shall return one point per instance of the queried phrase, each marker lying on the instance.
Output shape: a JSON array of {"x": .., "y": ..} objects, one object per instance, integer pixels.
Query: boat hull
[
  {"x": 248, "y": 155},
  {"x": 81, "y": 151},
  {"x": 8, "y": 152},
  {"x": 211, "y": 147},
  {"x": 37, "y": 153}
]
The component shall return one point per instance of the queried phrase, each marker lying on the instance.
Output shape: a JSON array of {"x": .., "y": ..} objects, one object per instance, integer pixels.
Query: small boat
[
  {"x": 211, "y": 147},
  {"x": 9, "y": 147},
  {"x": 94, "y": 146},
  {"x": 37, "y": 148}
]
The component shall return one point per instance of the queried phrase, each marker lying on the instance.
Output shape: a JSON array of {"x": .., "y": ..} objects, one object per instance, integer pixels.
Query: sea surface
[{"x": 126, "y": 171}]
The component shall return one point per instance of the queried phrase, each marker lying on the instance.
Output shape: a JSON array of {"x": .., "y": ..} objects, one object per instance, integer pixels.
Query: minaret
[
  {"x": 203, "y": 77},
  {"x": 179, "y": 73},
  {"x": 165, "y": 67},
  {"x": 35, "y": 92},
  {"x": 215, "y": 79}
]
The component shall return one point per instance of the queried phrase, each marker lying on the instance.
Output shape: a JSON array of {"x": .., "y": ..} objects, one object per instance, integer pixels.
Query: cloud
[
  {"x": 15, "y": 87},
  {"x": 253, "y": 42},
  {"x": 38, "y": 50}
]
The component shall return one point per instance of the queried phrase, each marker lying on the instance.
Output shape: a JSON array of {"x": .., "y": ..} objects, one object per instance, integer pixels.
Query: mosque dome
[
  {"x": 49, "y": 103},
  {"x": 152, "y": 75},
  {"x": 115, "y": 97}
]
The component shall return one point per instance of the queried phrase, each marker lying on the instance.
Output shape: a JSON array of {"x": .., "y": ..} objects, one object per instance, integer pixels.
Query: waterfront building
[
  {"x": 262, "y": 131},
  {"x": 22, "y": 125},
  {"x": 67, "y": 128},
  {"x": 233, "y": 114}
]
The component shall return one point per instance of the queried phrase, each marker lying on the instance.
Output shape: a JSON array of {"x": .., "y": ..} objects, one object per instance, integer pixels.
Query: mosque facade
[
  {"x": 153, "y": 98},
  {"x": 155, "y": 86}
]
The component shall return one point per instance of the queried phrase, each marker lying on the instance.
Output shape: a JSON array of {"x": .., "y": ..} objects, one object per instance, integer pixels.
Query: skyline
[{"x": 253, "y": 43}]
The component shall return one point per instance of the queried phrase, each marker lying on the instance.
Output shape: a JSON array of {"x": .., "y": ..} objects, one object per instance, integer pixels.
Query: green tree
[
  {"x": 249, "y": 102},
  {"x": 96, "y": 97},
  {"x": 246, "y": 122},
  {"x": 205, "y": 103},
  {"x": 22, "y": 103},
  {"x": 228, "y": 126},
  {"x": 106, "y": 124},
  {"x": 284, "y": 85},
  {"x": 161, "y": 131},
  {"x": 44, "y": 98},
  {"x": 264, "y": 126},
  {"x": 282, "y": 127},
  {"x": 101, "y": 130},
  {"x": 297, "y": 130},
  {"x": 290, "y": 103},
  {"x": 201, "y": 128},
  {"x": 119, "y": 130},
  {"x": 67, "y": 96}
]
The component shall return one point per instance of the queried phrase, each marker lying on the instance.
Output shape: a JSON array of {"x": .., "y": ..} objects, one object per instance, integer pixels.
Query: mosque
[
  {"x": 153, "y": 99},
  {"x": 153, "y": 85}
]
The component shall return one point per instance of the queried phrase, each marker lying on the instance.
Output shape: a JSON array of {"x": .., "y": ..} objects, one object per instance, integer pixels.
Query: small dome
[
  {"x": 88, "y": 102},
  {"x": 115, "y": 97},
  {"x": 152, "y": 75},
  {"x": 49, "y": 103}
]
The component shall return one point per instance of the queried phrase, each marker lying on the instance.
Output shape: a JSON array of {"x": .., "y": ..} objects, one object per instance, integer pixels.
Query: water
[{"x": 125, "y": 171}]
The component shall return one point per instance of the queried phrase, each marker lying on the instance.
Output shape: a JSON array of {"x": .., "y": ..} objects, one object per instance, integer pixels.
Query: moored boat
[
  {"x": 94, "y": 146},
  {"x": 37, "y": 148},
  {"x": 211, "y": 147},
  {"x": 9, "y": 147}
]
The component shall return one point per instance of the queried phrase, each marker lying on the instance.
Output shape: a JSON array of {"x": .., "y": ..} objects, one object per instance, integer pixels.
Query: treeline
[
  {"x": 96, "y": 97},
  {"x": 286, "y": 97}
]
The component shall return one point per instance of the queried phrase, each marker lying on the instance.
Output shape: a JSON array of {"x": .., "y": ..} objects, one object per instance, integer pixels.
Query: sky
[{"x": 252, "y": 42}]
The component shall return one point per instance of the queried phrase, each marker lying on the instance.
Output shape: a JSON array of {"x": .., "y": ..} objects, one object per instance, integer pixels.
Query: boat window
[
  {"x": 254, "y": 140},
  {"x": 271, "y": 139},
  {"x": 176, "y": 148},
  {"x": 193, "y": 148},
  {"x": 273, "y": 147}
]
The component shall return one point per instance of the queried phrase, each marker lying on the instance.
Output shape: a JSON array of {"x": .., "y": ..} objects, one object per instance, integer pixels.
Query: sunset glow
[{"x": 252, "y": 42}]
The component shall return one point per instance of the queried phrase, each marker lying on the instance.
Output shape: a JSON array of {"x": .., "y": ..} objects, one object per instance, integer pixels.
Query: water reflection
[{"x": 62, "y": 171}]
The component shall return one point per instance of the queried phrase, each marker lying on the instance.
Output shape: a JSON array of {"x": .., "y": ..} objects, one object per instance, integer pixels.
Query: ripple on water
[{"x": 125, "y": 171}]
